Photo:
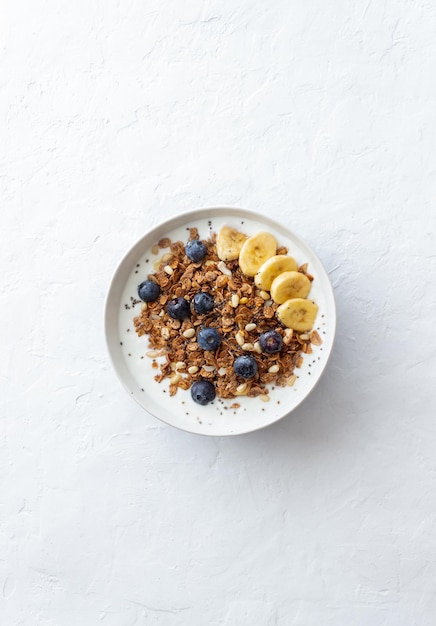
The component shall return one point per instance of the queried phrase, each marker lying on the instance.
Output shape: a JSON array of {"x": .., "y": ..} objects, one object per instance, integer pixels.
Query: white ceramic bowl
[{"x": 127, "y": 350}]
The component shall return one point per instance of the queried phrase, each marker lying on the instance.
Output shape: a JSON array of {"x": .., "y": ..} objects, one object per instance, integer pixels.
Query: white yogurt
[{"x": 155, "y": 396}]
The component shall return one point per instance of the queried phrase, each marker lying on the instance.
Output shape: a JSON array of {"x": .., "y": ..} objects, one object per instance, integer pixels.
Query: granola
[{"x": 242, "y": 312}]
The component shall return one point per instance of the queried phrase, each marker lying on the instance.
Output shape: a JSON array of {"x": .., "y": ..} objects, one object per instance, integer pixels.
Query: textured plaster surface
[{"x": 116, "y": 114}]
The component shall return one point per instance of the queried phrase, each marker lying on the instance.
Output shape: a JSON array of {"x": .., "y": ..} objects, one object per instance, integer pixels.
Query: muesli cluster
[{"x": 229, "y": 314}]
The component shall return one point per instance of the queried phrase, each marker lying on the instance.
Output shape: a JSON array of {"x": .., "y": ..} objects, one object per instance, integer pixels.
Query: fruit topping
[
  {"x": 148, "y": 291},
  {"x": 271, "y": 341},
  {"x": 195, "y": 250},
  {"x": 229, "y": 243},
  {"x": 203, "y": 302},
  {"x": 255, "y": 251},
  {"x": 290, "y": 285},
  {"x": 272, "y": 268},
  {"x": 203, "y": 392},
  {"x": 298, "y": 314},
  {"x": 178, "y": 308},
  {"x": 209, "y": 339},
  {"x": 245, "y": 366}
]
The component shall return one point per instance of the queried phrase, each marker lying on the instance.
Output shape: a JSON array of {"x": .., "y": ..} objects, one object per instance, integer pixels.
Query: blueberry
[
  {"x": 178, "y": 308},
  {"x": 245, "y": 366},
  {"x": 271, "y": 341},
  {"x": 195, "y": 250},
  {"x": 203, "y": 302},
  {"x": 202, "y": 392},
  {"x": 209, "y": 338},
  {"x": 148, "y": 291}
]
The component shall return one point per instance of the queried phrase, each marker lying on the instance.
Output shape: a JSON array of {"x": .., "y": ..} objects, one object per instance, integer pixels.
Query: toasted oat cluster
[{"x": 241, "y": 314}]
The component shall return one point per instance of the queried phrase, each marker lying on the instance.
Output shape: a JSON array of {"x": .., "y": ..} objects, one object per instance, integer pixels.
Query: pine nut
[
  {"x": 168, "y": 270},
  {"x": 288, "y": 336},
  {"x": 208, "y": 368},
  {"x": 242, "y": 388},
  {"x": 247, "y": 346},
  {"x": 193, "y": 369},
  {"x": 257, "y": 347},
  {"x": 180, "y": 365},
  {"x": 292, "y": 380},
  {"x": 304, "y": 337},
  {"x": 189, "y": 332},
  {"x": 144, "y": 306},
  {"x": 224, "y": 269},
  {"x": 165, "y": 333},
  {"x": 250, "y": 327},
  {"x": 152, "y": 354},
  {"x": 240, "y": 340},
  {"x": 235, "y": 300},
  {"x": 273, "y": 369},
  {"x": 264, "y": 295},
  {"x": 264, "y": 397},
  {"x": 175, "y": 379},
  {"x": 243, "y": 300}
]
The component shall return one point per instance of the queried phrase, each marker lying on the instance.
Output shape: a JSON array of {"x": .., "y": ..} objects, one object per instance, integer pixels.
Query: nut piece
[
  {"x": 247, "y": 346},
  {"x": 153, "y": 354},
  {"x": 175, "y": 379},
  {"x": 288, "y": 336},
  {"x": 315, "y": 338},
  {"x": 224, "y": 269},
  {"x": 250, "y": 327},
  {"x": 168, "y": 270},
  {"x": 264, "y": 397},
  {"x": 240, "y": 339},
  {"x": 189, "y": 332},
  {"x": 234, "y": 300},
  {"x": 257, "y": 347},
  {"x": 264, "y": 295},
  {"x": 273, "y": 369},
  {"x": 292, "y": 380},
  {"x": 193, "y": 369},
  {"x": 241, "y": 389},
  {"x": 165, "y": 242}
]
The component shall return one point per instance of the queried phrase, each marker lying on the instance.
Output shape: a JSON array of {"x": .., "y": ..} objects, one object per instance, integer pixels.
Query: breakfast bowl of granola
[{"x": 220, "y": 321}]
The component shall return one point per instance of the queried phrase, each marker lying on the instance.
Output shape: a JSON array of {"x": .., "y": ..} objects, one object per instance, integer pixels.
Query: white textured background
[{"x": 116, "y": 114}]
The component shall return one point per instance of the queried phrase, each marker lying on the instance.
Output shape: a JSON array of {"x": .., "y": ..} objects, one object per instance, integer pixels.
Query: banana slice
[
  {"x": 289, "y": 285},
  {"x": 255, "y": 251},
  {"x": 229, "y": 243},
  {"x": 272, "y": 268},
  {"x": 298, "y": 314}
]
